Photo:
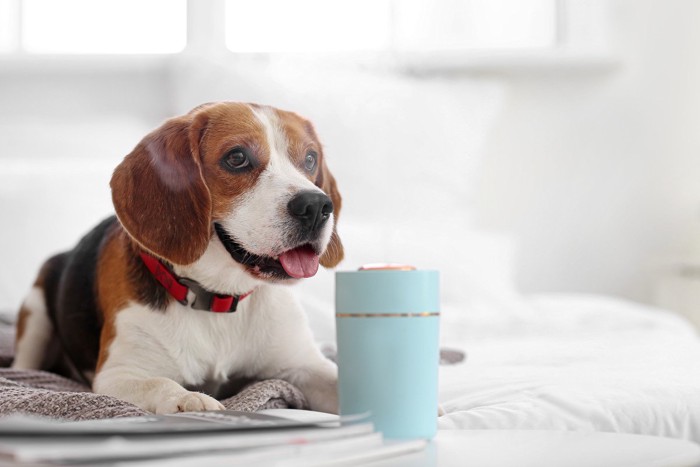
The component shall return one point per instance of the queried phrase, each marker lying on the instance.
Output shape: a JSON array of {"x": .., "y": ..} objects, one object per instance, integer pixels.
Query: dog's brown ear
[
  {"x": 160, "y": 195},
  {"x": 334, "y": 253}
]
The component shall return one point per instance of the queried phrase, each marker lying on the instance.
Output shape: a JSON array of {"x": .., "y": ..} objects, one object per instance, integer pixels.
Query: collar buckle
[
  {"x": 210, "y": 301},
  {"x": 179, "y": 287}
]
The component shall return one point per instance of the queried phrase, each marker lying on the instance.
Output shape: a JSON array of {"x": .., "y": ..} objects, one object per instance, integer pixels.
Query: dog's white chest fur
[
  {"x": 267, "y": 338},
  {"x": 200, "y": 347}
]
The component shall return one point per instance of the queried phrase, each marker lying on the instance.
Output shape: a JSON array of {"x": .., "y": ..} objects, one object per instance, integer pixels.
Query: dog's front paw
[{"x": 188, "y": 402}]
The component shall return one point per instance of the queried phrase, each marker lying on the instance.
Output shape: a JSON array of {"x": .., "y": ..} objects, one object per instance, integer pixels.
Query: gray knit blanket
[{"x": 50, "y": 395}]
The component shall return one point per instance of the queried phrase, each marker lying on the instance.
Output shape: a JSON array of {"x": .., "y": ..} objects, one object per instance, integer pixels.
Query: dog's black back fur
[{"x": 70, "y": 293}]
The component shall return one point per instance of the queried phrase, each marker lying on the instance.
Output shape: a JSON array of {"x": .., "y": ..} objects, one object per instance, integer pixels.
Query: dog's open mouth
[{"x": 297, "y": 263}]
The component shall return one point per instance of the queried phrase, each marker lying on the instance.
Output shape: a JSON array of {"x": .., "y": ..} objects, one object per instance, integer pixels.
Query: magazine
[{"x": 224, "y": 437}]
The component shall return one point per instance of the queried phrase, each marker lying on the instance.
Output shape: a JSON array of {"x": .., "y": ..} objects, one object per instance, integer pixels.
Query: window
[
  {"x": 420, "y": 31},
  {"x": 307, "y": 25},
  {"x": 95, "y": 27},
  {"x": 475, "y": 24},
  {"x": 407, "y": 25}
]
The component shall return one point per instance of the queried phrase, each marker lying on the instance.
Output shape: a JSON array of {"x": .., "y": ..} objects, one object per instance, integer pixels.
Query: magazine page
[{"x": 187, "y": 422}]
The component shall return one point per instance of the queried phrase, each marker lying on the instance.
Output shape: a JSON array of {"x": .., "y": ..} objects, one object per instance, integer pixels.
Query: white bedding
[
  {"x": 565, "y": 362},
  {"x": 555, "y": 362}
]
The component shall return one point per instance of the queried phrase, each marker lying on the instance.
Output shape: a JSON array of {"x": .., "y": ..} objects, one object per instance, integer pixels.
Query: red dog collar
[{"x": 178, "y": 287}]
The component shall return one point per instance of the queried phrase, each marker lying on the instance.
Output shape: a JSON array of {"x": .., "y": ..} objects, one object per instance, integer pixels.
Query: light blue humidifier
[{"x": 387, "y": 322}]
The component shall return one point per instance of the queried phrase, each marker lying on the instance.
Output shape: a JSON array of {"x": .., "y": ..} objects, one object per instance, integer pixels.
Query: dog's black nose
[{"x": 311, "y": 208}]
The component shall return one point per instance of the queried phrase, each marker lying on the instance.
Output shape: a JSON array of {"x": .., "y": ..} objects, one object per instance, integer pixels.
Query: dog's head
[{"x": 248, "y": 178}]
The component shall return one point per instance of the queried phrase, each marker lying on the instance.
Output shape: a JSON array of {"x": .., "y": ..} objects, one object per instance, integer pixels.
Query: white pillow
[
  {"x": 475, "y": 267},
  {"x": 399, "y": 146}
]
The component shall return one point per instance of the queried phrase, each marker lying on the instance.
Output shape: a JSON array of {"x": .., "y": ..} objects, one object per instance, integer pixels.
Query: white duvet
[{"x": 573, "y": 363}]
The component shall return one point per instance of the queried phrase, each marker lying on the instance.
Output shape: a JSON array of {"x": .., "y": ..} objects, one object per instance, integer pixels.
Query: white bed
[
  {"x": 578, "y": 363},
  {"x": 561, "y": 362}
]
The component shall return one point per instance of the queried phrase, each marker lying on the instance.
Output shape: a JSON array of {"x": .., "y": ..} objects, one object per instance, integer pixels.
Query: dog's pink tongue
[{"x": 300, "y": 262}]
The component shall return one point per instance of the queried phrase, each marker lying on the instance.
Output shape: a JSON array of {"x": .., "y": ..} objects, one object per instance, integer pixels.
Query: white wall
[{"x": 598, "y": 175}]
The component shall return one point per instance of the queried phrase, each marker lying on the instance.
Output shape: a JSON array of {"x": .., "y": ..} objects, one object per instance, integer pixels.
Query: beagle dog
[{"x": 182, "y": 295}]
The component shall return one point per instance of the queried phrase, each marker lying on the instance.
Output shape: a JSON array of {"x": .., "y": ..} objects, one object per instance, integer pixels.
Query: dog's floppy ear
[
  {"x": 334, "y": 253},
  {"x": 160, "y": 195}
]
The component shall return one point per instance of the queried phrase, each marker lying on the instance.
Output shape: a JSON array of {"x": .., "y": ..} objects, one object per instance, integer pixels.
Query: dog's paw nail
[{"x": 189, "y": 402}]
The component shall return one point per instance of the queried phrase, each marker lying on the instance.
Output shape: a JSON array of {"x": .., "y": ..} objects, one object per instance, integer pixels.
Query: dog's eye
[
  {"x": 310, "y": 161},
  {"x": 235, "y": 160}
]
